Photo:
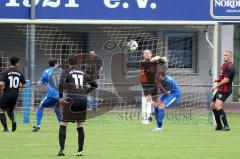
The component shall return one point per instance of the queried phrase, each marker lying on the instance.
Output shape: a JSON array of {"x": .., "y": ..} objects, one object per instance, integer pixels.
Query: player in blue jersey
[
  {"x": 171, "y": 95},
  {"x": 50, "y": 77}
]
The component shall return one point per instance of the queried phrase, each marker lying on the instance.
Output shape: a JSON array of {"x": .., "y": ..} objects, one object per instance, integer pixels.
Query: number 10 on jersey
[{"x": 14, "y": 82}]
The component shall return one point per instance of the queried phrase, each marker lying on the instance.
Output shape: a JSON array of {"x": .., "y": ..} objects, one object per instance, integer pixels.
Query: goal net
[{"x": 187, "y": 48}]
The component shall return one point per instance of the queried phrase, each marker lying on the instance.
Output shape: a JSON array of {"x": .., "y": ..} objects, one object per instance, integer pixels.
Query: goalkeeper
[{"x": 147, "y": 78}]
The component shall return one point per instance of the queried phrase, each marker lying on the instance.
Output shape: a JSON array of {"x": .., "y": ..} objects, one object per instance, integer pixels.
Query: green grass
[{"x": 113, "y": 137}]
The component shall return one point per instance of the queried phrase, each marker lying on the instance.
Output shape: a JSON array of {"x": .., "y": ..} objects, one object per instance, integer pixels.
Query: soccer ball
[{"x": 132, "y": 45}]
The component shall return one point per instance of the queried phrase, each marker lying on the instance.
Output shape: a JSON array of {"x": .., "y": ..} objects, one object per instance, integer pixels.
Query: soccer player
[
  {"x": 51, "y": 99},
  {"x": 170, "y": 97},
  {"x": 11, "y": 80},
  {"x": 75, "y": 84},
  {"x": 147, "y": 79},
  {"x": 224, "y": 90},
  {"x": 149, "y": 68}
]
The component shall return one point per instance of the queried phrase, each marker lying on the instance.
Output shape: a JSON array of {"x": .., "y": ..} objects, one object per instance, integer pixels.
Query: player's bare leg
[{"x": 3, "y": 120}]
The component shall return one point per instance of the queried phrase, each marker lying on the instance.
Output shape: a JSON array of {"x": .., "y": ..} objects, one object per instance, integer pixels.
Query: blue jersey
[
  {"x": 171, "y": 85},
  {"x": 51, "y": 79}
]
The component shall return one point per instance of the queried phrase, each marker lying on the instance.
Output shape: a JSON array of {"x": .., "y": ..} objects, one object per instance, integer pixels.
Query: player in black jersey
[
  {"x": 11, "y": 80},
  {"x": 73, "y": 87}
]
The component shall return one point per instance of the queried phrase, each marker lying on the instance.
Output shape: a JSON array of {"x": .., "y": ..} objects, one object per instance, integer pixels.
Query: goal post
[
  {"x": 26, "y": 99},
  {"x": 183, "y": 43}
]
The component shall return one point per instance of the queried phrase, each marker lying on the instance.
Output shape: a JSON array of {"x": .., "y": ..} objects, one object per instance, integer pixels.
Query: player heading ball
[{"x": 170, "y": 96}]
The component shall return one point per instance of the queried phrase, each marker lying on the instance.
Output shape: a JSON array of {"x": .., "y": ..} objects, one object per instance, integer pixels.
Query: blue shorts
[
  {"x": 48, "y": 102},
  {"x": 170, "y": 100}
]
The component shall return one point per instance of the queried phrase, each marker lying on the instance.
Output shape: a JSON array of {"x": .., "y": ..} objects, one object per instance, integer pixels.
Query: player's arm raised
[{"x": 160, "y": 59}]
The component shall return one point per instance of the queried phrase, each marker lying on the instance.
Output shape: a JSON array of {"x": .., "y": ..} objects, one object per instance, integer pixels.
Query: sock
[
  {"x": 144, "y": 109},
  {"x": 3, "y": 121},
  {"x": 149, "y": 109},
  {"x": 80, "y": 138},
  {"x": 156, "y": 113},
  {"x": 11, "y": 116},
  {"x": 160, "y": 117},
  {"x": 223, "y": 117},
  {"x": 39, "y": 115},
  {"x": 62, "y": 137},
  {"x": 217, "y": 118},
  {"x": 58, "y": 114}
]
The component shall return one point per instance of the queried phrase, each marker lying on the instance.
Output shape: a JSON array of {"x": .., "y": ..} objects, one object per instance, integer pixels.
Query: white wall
[
  {"x": 227, "y": 42},
  {"x": 227, "y": 39}
]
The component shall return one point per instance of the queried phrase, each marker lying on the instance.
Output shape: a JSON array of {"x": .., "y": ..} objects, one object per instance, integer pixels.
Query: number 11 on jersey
[{"x": 78, "y": 80}]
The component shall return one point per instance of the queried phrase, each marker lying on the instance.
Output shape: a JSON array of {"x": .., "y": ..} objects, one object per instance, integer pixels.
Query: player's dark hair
[
  {"x": 153, "y": 52},
  {"x": 163, "y": 73},
  {"x": 52, "y": 62},
  {"x": 158, "y": 74},
  {"x": 73, "y": 59},
  {"x": 14, "y": 60}
]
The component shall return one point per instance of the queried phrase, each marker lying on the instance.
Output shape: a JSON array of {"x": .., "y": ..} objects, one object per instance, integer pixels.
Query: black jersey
[
  {"x": 12, "y": 78},
  {"x": 75, "y": 83},
  {"x": 92, "y": 66}
]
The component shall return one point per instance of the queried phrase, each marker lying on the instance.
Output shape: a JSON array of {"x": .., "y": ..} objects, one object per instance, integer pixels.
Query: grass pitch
[{"x": 114, "y": 136}]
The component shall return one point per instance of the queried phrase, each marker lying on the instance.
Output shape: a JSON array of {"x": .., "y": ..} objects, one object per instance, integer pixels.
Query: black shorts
[
  {"x": 75, "y": 111},
  {"x": 8, "y": 102},
  {"x": 221, "y": 96},
  {"x": 149, "y": 89}
]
